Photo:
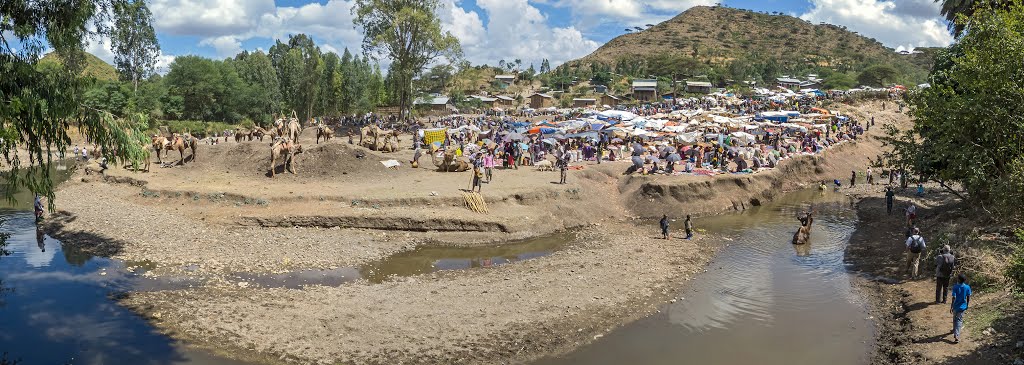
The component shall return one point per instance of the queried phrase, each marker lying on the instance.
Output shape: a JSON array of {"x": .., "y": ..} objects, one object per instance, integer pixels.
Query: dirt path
[{"x": 913, "y": 328}]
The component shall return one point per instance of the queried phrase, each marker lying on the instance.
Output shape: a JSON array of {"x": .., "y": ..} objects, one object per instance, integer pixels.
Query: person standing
[
  {"x": 890, "y": 197},
  {"x": 943, "y": 270},
  {"x": 911, "y": 214},
  {"x": 489, "y": 165},
  {"x": 915, "y": 246},
  {"x": 961, "y": 299},
  {"x": 870, "y": 176},
  {"x": 563, "y": 167},
  {"x": 853, "y": 178},
  {"x": 664, "y": 226},
  {"x": 688, "y": 227}
]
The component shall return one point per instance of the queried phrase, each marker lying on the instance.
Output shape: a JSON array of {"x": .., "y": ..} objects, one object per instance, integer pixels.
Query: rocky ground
[{"x": 221, "y": 215}]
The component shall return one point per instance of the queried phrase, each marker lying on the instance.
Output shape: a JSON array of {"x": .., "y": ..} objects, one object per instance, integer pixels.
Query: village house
[
  {"x": 433, "y": 103},
  {"x": 610, "y": 100},
  {"x": 698, "y": 87},
  {"x": 645, "y": 89},
  {"x": 505, "y": 101},
  {"x": 539, "y": 101},
  {"x": 584, "y": 103},
  {"x": 788, "y": 82},
  {"x": 505, "y": 80},
  {"x": 600, "y": 89},
  {"x": 488, "y": 102}
]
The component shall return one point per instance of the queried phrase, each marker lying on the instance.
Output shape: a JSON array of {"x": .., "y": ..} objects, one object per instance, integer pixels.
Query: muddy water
[
  {"x": 762, "y": 301},
  {"x": 420, "y": 261}
]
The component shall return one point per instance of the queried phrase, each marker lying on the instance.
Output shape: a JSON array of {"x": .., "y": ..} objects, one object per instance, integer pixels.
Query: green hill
[
  {"x": 94, "y": 66},
  {"x": 733, "y": 39}
]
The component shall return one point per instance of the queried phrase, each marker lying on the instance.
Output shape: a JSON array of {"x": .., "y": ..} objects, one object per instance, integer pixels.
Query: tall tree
[
  {"x": 37, "y": 106},
  {"x": 969, "y": 125},
  {"x": 409, "y": 33},
  {"x": 954, "y": 9},
  {"x": 134, "y": 41},
  {"x": 257, "y": 71}
]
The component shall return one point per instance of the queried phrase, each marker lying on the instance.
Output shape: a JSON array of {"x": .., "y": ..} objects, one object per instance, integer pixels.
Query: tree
[
  {"x": 968, "y": 129},
  {"x": 959, "y": 12},
  {"x": 37, "y": 106},
  {"x": 877, "y": 75},
  {"x": 264, "y": 97},
  {"x": 134, "y": 41},
  {"x": 409, "y": 33},
  {"x": 838, "y": 81}
]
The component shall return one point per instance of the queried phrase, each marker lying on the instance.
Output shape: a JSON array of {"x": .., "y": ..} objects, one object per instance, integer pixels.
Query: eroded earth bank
[{"x": 221, "y": 223}]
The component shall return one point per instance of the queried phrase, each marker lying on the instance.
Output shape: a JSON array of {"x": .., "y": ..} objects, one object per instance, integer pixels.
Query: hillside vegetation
[
  {"x": 727, "y": 43},
  {"x": 94, "y": 66}
]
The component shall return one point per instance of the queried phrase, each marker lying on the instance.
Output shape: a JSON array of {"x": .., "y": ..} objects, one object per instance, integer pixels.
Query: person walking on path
[
  {"x": 688, "y": 227},
  {"x": 961, "y": 299},
  {"x": 890, "y": 197},
  {"x": 915, "y": 246},
  {"x": 853, "y": 178},
  {"x": 943, "y": 270},
  {"x": 870, "y": 176},
  {"x": 911, "y": 214},
  {"x": 664, "y": 226}
]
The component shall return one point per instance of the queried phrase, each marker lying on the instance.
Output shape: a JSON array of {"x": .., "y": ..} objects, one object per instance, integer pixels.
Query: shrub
[{"x": 1015, "y": 270}]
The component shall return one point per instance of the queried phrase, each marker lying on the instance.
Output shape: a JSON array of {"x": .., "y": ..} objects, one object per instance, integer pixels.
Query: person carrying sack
[{"x": 915, "y": 246}]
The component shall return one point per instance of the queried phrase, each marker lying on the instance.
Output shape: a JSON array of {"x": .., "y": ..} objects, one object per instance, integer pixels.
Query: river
[{"x": 762, "y": 300}]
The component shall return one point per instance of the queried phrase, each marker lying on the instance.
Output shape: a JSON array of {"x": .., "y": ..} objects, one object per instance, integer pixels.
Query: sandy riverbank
[{"x": 221, "y": 215}]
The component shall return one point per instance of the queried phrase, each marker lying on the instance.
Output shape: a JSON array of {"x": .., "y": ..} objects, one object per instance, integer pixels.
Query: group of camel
[{"x": 284, "y": 144}]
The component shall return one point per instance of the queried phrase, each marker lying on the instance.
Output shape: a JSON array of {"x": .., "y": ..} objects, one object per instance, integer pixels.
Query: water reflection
[
  {"x": 60, "y": 310},
  {"x": 757, "y": 299}
]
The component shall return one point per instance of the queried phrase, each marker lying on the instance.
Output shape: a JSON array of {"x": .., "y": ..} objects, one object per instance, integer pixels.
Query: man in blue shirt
[{"x": 961, "y": 299}]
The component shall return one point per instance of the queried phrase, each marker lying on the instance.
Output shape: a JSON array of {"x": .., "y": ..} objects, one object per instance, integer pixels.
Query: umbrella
[
  {"x": 638, "y": 161},
  {"x": 674, "y": 158},
  {"x": 515, "y": 136}
]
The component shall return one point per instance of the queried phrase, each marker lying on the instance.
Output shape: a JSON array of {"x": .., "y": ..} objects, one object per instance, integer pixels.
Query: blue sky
[{"x": 493, "y": 30}]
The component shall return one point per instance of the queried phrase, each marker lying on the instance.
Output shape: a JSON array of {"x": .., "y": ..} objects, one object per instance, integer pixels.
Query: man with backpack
[
  {"x": 943, "y": 270},
  {"x": 915, "y": 246}
]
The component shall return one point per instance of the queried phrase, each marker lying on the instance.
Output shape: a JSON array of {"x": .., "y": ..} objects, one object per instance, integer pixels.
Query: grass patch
[
  {"x": 146, "y": 193},
  {"x": 978, "y": 319}
]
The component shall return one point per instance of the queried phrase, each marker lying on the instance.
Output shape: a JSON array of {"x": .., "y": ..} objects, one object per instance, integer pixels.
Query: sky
[{"x": 493, "y": 30}]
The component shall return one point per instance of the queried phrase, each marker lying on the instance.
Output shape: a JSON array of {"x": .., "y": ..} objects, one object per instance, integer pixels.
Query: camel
[
  {"x": 145, "y": 160},
  {"x": 180, "y": 143},
  {"x": 292, "y": 129},
  {"x": 449, "y": 161},
  {"x": 159, "y": 144},
  {"x": 324, "y": 131},
  {"x": 257, "y": 133},
  {"x": 390, "y": 144},
  {"x": 283, "y": 147},
  {"x": 803, "y": 235},
  {"x": 241, "y": 134}
]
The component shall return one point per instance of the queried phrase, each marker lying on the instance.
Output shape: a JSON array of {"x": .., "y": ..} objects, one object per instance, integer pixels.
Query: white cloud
[
  {"x": 906, "y": 23},
  {"x": 208, "y": 18},
  {"x": 101, "y": 48},
  {"x": 593, "y": 13},
  {"x": 226, "y": 46},
  {"x": 515, "y": 30}
]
